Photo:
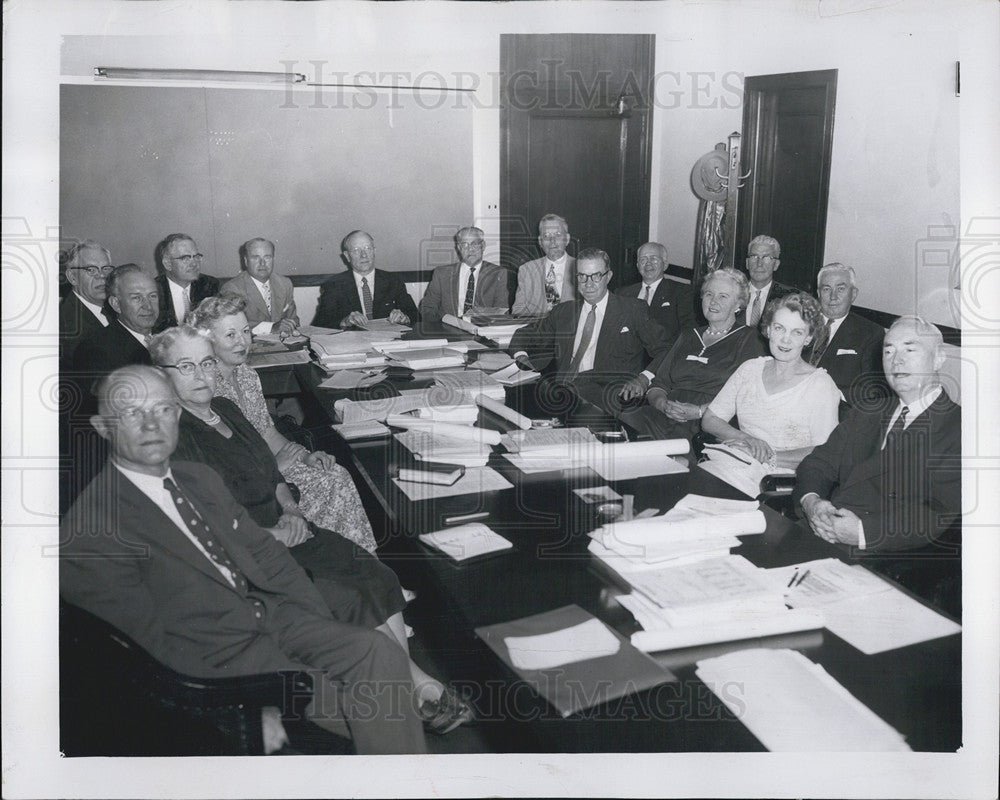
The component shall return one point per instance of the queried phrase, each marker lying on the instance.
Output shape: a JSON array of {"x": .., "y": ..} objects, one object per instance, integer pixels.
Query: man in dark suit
[
  {"x": 472, "y": 283},
  {"x": 763, "y": 259},
  {"x": 671, "y": 304},
  {"x": 850, "y": 346},
  {"x": 350, "y": 299},
  {"x": 270, "y": 297},
  {"x": 890, "y": 479},
  {"x": 181, "y": 284},
  {"x": 83, "y": 312},
  {"x": 163, "y": 552},
  {"x": 599, "y": 344}
]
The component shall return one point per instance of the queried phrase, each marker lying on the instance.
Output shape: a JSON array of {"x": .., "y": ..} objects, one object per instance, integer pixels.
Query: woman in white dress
[{"x": 785, "y": 407}]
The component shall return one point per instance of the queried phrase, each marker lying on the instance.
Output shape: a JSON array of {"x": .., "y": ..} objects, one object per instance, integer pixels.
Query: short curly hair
[
  {"x": 805, "y": 305},
  {"x": 215, "y": 308},
  {"x": 738, "y": 279}
]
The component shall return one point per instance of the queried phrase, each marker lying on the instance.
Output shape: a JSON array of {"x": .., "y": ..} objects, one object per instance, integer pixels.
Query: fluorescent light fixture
[{"x": 199, "y": 75}]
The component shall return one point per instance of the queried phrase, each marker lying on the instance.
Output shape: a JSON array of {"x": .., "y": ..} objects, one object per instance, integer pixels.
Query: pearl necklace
[
  {"x": 213, "y": 419},
  {"x": 713, "y": 332}
]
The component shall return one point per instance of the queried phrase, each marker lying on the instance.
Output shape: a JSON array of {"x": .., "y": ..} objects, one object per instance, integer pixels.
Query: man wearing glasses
[
  {"x": 349, "y": 299},
  {"x": 181, "y": 284},
  {"x": 84, "y": 311},
  {"x": 470, "y": 284},
  {"x": 763, "y": 258},
  {"x": 598, "y": 343},
  {"x": 546, "y": 281}
]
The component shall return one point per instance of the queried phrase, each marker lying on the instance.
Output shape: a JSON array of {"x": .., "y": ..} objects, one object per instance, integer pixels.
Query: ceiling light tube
[{"x": 199, "y": 75}]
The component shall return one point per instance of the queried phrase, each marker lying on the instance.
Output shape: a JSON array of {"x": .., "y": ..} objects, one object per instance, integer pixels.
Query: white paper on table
[
  {"x": 352, "y": 379},
  {"x": 729, "y": 580},
  {"x": 426, "y": 446},
  {"x": 261, "y": 360},
  {"x": 400, "y": 345},
  {"x": 683, "y": 553},
  {"x": 456, "y": 415},
  {"x": 347, "y": 342},
  {"x": 380, "y": 408},
  {"x": 512, "y": 375},
  {"x": 476, "y": 480},
  {"x": 316, "y": 330},
  {"x": 384, "y": 325},
  {"x": 861, "y": 608},
  {"x": 361, "y": 430},
  {"x": 738, "y": 469},
  {"x": 651, "y": 537},
  {"x": 531, "y": 463},
  {"x": 627, "y": 460},
  {"x": 466, "y": 541},
  {"x": 564, "y": 442},
  {"x": 445, "y": 429},
  {"x": 793, "y": 705},
  {"x": 590, "y": 639}
]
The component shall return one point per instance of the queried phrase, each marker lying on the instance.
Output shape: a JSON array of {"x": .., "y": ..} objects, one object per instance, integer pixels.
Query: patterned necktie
[
  {"x": 187, "y": 301},
  {"x": 200, "y": 530},
  {"x": 755, "y": 310},
  {"x": 823, "y": 342},
  {"x": 146, "y": 339},
  {"x": 366, "y": 296},
  {"x": 588, "y": 333},
  {"x": 551, "y": 290},
  {"x": 897, "y": 427},
  {"x": 645, "y": 294},
  {"x": 470, "y": 290},
  {"x": 266, "y": 294}
]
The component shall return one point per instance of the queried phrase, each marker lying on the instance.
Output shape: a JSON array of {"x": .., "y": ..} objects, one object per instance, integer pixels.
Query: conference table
[{"x": 915, "y": 689}]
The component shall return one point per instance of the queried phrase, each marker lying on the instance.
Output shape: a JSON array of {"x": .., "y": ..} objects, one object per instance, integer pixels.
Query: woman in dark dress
[
  {"x": 700, "y": 362},
  {"x": 357, "y": 587}
]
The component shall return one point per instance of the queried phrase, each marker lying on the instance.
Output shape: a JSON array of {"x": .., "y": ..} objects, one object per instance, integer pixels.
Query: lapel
[
  {"x": 254, "y": 298},
  {"x": 452, "y": 298},
  {"x": 610, "y": 326},
  {"x": 167, "y": 318},
  {"x": 349, "y": 290},
  {"x": 569, "y": 281},
  {"x": 144, "y": 518}
]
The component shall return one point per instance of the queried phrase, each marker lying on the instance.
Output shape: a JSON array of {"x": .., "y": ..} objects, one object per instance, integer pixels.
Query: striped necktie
[
  {"x": 755, "y": 309},
  {"x": 588, "y": 334},
  {"x": 366, "y": 296}
]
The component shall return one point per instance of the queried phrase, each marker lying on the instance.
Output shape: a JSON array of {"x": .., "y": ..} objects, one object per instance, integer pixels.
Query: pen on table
[
  {"x": 802, "y": 577},
  {"x": 792, "y": 581},
  {"x": 466, "y": 517},
  {"x": 741, "y": 460}
]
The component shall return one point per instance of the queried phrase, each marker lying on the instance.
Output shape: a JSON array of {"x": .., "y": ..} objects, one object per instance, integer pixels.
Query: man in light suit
[
  {"x": 350, "y": 298},
  {"x": 671, "y": 304},
  {"x": 181, "y": 284},
  {"x": 549, "y": 280},
  {"x": 763, "y": 259},
  {"x": 470, "y": 284},
  {"x": 84, "y": 311},
  {"x": 850, "y": 347},
  {"x": 598, "y": 343},
  {"x": 163, "y": 552},
  {"x": 270, "y": 297},
  {"x": 890, "y": 479}
]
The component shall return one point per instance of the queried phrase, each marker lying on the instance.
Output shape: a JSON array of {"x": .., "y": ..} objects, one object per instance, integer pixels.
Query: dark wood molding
[{"x": 885, "y": 319}]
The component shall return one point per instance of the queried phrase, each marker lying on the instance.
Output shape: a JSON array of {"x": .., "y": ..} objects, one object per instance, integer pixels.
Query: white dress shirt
[
  {"x": 463, "y": 283},
  {"x": 834, "y": 326},
  {"x": 177, "y": 293},
  {"x": 652, "y": 289},
  {"x": 153, "y": 488},
  {"x": 588, "y": 357},
  {"x": 764, "y": 292},
  {"x": 265, "y": 292},
  {"x": 94, "y": 309},
  {"x": 371, "y": 287}
]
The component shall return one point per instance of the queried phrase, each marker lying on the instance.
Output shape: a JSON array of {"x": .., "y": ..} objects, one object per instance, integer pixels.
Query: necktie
[
  {"x": 823, "y": 342},
  {"x": 588, "y": 333},
  {"x": 645, "y": 294},
  {"x": 470, "y": 290},
  {"x": 897, "y": 427},
  {"x": 366, "y": 296},
  {"x": 187, "y": 301},
  {"x": 199, "y": 528},
  {"x": 146, "y": 339},
  {"x": 266, "y": 294},
  {"x": 755, "y": 310}
]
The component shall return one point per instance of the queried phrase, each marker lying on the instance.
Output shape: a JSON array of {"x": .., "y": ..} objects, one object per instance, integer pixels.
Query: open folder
[{"x": 576, "y": 683}]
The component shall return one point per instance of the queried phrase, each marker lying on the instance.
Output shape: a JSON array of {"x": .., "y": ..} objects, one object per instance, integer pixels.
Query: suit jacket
[
  {"x": 441, "y": 296},
  {"x": 107, "y": 350},
  {"x": 530, "y": 297},
  {"x": 628, "y": 339},
  {"x": 853, "y": 359},
  {"x": 338, "y": 297},
  {"x": 76, "y": 323},
  {"x": 204, "y": 286},
  {"x": 906, "y": 495},
  {"x": 672, "y": 306},
  {"x": 777, "y": 290},
  {"x": 282, "y": 298},
  {"x": 122, "y": 559}
]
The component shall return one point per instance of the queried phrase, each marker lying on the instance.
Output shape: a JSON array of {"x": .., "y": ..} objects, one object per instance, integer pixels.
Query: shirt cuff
[
  {"x": 861, "y": 535},
  {"x": 649, "y": 376},
  {"x": 519, "y": 354},
  {"x": 261, "y": 328}
]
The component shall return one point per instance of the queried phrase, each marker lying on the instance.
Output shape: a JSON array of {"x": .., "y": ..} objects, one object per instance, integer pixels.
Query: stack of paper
[
  {"x": 499, "y": 328},
  {"x": 426, "y": 358},
  {"x": 696, "y": 524},
  {"x": 428, "y": 446},
  {"x": 397, "y": 345},
  {"x": 613, "y": 462},
  {"x": 463, "y": 387},
  {"x": 366, "y": 429},
  {"x": 350, "y": 349},
  {"x": 738, "y": 469},
  {"x": 861, "y": 608},
  {"x": 378, "y": 408},
  {"x": 793, "y": 705},
  {"x": 477, "y": 480},
  {"x": 383, "y": 325},
  {"x": 353, "y": 379},
  {"x": 466, "y": 541},
  {"x": 512, "y": 375}
]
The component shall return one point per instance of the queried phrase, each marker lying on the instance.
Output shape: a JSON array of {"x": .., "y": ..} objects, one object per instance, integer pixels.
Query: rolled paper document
[
  {"x": 671, "y": 528},
  {"x": 788, "y": 621},
  {"x": 662, "y": 447},
  {"x": 446, "y": 429},
  {"x": 498, "y": 408}
]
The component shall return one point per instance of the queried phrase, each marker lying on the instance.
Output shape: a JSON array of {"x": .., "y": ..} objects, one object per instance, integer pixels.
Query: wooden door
[
  {"x": 787, "y": 147},
  {"x": 576, "y": 119}
]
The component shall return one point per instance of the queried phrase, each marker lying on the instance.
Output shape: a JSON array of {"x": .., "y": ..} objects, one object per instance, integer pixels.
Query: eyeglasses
[
  {"x": 552, "y": 237},
  {"x": 189, "y": 367},
  {"x": 136, "y": 416},
  {"x": 361, "y": 251},
  {"x": 761, "y": 258},
  {"x": 473, "y": 243},
  {"x": 592, "y": 277},
  {"x": 93, "y": 271},
  {"x": 185, "y": 260}
]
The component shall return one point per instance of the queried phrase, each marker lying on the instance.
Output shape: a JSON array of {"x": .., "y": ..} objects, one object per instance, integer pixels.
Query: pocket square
[
  {"x": 624, "y": 330},
  {"x": 842, "y": 352},
  {"x": 664, "y": 305}
]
